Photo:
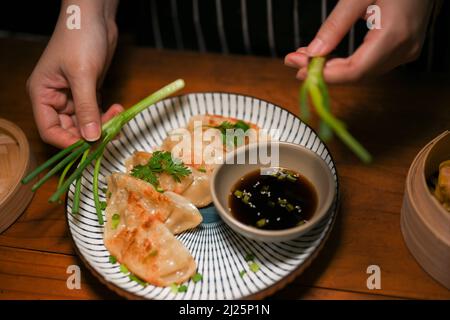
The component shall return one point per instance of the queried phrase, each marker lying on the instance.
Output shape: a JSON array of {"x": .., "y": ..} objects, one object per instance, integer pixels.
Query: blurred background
[{"x": 272, "y": 27}]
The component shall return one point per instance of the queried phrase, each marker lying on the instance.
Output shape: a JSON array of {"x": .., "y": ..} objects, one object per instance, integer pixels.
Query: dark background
[{"x": 36, "y": 19}]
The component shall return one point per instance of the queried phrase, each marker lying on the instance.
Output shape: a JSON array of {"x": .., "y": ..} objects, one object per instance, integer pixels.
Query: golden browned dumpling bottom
[{"x": 141, "y": 234}]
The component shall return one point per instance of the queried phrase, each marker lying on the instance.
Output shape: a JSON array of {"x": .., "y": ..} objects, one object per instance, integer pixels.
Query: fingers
[
  {"x": 45, "y": 101},
  {"x": 336, "y": 26},
  {"x": 86, "y": 108},
  {"x": 298, "y": 59},
  {"x": 114, "y": 110},
  {"x": 368, "y": 60},
  {"x": 51, "y": 129}
]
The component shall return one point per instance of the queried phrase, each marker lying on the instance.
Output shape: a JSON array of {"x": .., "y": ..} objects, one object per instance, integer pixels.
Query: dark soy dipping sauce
[{"x": 280, "y": 200}]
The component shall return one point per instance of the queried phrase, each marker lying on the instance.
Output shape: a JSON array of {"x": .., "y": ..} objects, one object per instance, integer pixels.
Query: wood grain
[{"x": 393, "y": 116}]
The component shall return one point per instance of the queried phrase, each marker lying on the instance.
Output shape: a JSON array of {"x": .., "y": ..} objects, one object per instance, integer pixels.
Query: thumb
[
  {"x": 336, "y": 26},
  {"x": 86, "y": 108}
]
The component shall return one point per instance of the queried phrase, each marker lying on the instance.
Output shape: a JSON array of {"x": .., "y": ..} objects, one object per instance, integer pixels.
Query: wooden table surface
[{"x": 393, "y": 116}]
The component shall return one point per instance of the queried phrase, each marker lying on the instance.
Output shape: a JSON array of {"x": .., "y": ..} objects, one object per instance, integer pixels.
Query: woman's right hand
[{"x": 63, "y": 85}]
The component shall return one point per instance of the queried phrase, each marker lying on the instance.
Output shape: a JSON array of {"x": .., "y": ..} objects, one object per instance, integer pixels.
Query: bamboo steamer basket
[
  {"x": 425, "y": 223},
  {"x": 16, "y": 160}
]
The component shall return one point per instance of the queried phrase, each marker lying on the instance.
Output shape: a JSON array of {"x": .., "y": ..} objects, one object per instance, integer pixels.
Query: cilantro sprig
[
  {"x": 161, "y": 161},
  {"x": 227, "y": 127}
]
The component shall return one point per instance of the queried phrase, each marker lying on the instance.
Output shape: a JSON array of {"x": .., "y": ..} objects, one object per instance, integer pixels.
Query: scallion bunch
[{"x": 89, "y": 152}]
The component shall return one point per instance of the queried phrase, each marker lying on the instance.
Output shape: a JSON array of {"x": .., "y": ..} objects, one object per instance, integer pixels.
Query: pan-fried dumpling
[
  {"x": 198, "y": 192},
  {"x": 194, "y": 187},
  {"x": 129, "y": 192},
  {"x": 184, "y": 214},
  {"x": 166, "y": 181},
  {"x": 149, "y": 250},
  {"x": 140, "y": 223}
]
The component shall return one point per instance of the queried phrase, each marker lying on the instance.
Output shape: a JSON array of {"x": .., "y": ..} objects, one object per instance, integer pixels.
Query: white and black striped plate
[{"x": 219, "y": 252}]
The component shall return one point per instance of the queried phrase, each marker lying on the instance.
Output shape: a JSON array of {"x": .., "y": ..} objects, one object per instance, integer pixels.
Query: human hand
[
  {"x": 400, "y": 39},
  {"x": 63, "y": 85}
]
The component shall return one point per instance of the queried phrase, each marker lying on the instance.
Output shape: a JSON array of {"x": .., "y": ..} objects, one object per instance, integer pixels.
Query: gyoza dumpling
[
  {"x": 194, "y": 187},
  {"x": 149, "y": 250},
  {"x": 166, "y": 181},
  {"x": 183, "y": 216},
  {"x": 129, "y": 192},
  {"x": 198, "y": 191},
  {"x": 140, "y": 223}
]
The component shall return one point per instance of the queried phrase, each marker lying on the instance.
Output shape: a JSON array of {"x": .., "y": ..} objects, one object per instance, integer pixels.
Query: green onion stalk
[
  {"x": 89, "y": 152},
  {"x": 314, "y": 87}
]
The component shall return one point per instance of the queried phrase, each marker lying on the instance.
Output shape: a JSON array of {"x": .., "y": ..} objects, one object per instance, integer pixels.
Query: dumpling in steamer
[
  {"x": 142, "y": 238},
  {"x": 442, "y": 192}
]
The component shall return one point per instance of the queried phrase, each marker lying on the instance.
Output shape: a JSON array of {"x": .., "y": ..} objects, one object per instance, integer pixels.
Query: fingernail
[
  {"x": 91, "y": 131},
  {"x": 288, "y": 61},
  {"x": 315, "y": 47}
]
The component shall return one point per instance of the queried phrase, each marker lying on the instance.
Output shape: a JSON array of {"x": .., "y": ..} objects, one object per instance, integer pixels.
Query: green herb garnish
[
  {"x": 135, "y": 278},
  {"x": 112, "y": 259},
  {"x": 201, "y": 169},
  {"x": 115, "y": 220},
  {"x": 161, "y": 161},
  {"x": 249, "y": 257},
  {"x": 182, "y": 288},
  {"x": 92, "y": 152},
  {"x": 103, "y": 205},
  {"x": 291, "y": 177},
  {"x": 197, "y": 277},
  {"x": 242, "y": 273},
  {"x": 153, "y": 253},
  {"x": 254, "y": 266},
  {"x": 261, "y": 223},
  {"x": 315, "y": 87},
  {"x": 123, "y": 268},
  {"x": 228, "y": 127},
  {"x": 289, "y": 207},
  {"x": 175, "y": 288}
]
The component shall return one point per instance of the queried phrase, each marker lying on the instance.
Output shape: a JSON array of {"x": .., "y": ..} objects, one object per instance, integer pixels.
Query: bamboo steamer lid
[
  {"x": 16, "y": 160},
  {"x": 425, "y": 223}
]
